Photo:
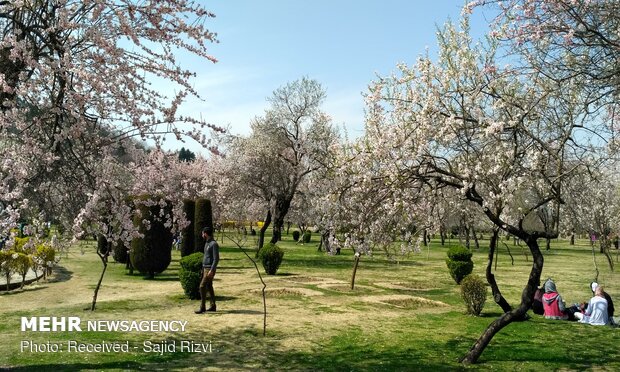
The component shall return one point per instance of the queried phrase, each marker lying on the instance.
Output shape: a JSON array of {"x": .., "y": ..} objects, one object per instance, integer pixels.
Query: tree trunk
[
  {"x": 104, "y": 261},
  {"x": 497, "y": 295},
  {"x": 572, "y": 238},
  {"x": 518, "y": 313},
  {"x": 465, "y": 232},
  {"x": 476, "y": 242},
  {"x": 281, "y": 209},
  {"x": 261, "y": 234},
  {"x": 424, "y": 236},
  {"x": 128, "y": 265},
  {"x": 442, "y": 235},
  {"x": 355, "y": 264},
  {"x": 548, "y": 244}
]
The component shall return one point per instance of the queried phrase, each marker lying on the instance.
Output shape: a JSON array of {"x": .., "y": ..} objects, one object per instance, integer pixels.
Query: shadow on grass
[
  {"x": 242, "y": 311},
  {"x": 350, "y": 349},
  {"x": 61, "y": 274},
  {"x": 22, "y": 290},
  {"x": 77, "y": 366}
]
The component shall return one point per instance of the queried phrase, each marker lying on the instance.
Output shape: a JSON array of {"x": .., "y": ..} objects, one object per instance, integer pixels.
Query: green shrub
[
  {"x": 203, "y": 217},
  {"x": 296, "y": 235},
  {"x": 152, "y": 253},
  {"x": 45, "y": 256},
  {"x": 271, "y": 257},
  {"x": 307, "y": 236},
  {"x": 189, "y": 274},
  {"x": 459, "y": 254},
  {"x": 102, "y": 244},
  {"x": 187, "y": 234},
  {"x": 120, "y": 253},
  {"x": 7, "y": 265},
  {"x": 23, "y": 263},
  {"x": 20, "y": 244},
  {"x": 459, "y": 263},
  {"x": 474, "y": 293}
]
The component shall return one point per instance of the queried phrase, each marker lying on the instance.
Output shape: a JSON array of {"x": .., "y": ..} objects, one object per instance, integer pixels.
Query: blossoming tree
[
  {"x": 78, "y": 80},
  {"x": 505, "y": 138},
  {"x": 293, "y": 139}
]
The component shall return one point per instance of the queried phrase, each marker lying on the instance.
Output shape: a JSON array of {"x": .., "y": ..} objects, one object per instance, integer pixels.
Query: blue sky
[{"x": 343, "y": 44}]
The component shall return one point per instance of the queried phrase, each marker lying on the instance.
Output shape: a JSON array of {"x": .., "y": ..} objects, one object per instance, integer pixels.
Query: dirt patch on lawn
[
  {"x": 405, "y": 286},
  {"x": 345, "y": 288},
  {"x": 288, "y": 292},
  {"x": 305, "y": 279},
  {"x": 405, "y": 302}
]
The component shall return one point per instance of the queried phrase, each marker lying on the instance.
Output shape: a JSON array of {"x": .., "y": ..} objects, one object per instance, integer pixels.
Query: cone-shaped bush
[
  {"x": 296, "y": 235},
  {"x": 189, "y": 274},
  {"x": 151, "y": 254},
  {"x": 203, "y": 217},
  {"x": 187, "y": 234}
]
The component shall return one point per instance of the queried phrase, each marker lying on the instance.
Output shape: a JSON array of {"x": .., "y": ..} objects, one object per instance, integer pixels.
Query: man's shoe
[
  {"x": 200, "y": 311},
  {"x": 212, "y": 308}
]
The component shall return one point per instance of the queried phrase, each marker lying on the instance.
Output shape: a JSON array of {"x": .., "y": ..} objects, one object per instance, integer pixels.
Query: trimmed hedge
[
  {"x": 203, "y": 217},
  {"x": 189, "y": 274},
  {"x": 296, "y": 235},
  {"x": 120, "y": 252},
  {"x": 102, "y": 244},
  {"x": 307, "y": 236},
  {"x": 459, "y": 263},
  {"x": 271, "y": 257},
  {"x": 187, "y": 235},
  {"x": 151, "y": 254}
]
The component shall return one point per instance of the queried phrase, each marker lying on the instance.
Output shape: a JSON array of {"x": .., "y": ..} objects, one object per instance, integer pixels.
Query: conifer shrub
[
  {"x": 187, "y": 234},
  {"x": 296, "y": 235},
  {"x": 203, "y": 217},
  {"x": 473, "y": 293},
  {"x": 459, "y": 263},
  {"x": 307, "y": 236},
  {"x": 189, "y": 274},
  {"x": 152, "y": 253},
  {"x": 271, "y": 257},
  {"x": 102, "y": 244},
  {"x": 120, "y": 253}
]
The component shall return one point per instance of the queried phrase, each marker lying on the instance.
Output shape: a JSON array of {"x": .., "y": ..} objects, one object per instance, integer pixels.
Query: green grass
[{"x": 315, "y": 321}]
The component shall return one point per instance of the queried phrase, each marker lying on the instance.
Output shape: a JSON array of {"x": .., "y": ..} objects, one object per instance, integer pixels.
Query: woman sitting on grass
[
  {"x": 596, "y": 312},
  {"x": 552, "y": 303}
]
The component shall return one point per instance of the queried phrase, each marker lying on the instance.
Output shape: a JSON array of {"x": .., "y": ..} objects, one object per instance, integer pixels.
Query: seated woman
[
  {"x": 596, "y": 313},
  {"x": 610, "y": 303},
  {"x": 552, "y": 303}
]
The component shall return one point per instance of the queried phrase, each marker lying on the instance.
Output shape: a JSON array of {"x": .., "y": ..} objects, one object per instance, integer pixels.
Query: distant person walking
[{"x": 209, "y": 265}]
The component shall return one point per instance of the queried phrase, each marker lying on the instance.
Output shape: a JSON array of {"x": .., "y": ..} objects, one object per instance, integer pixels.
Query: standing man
[{"x": 209, "y": 264}]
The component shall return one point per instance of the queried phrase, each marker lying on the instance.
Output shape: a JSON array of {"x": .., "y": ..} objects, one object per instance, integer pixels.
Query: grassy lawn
[{"x": 404, "y": 315}]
